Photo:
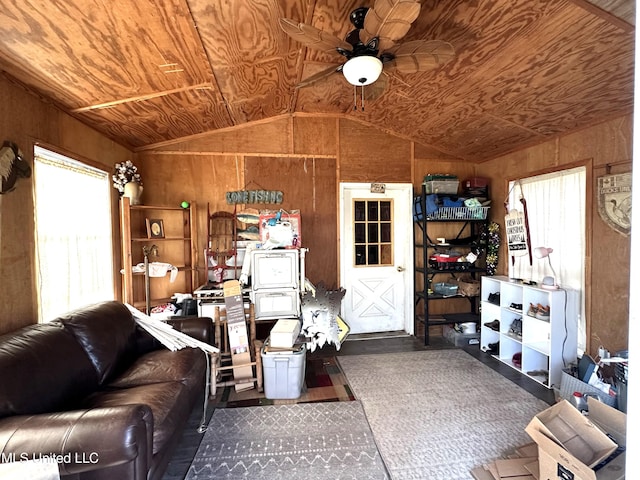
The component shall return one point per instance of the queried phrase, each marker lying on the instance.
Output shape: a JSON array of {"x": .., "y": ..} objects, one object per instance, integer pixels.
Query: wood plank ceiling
[{"x": 150, "y": 71}]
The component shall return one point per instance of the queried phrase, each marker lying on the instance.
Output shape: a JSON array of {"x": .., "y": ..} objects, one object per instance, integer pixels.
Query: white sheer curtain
[
  {"x": 556, "y": 204},
  {"x": 74, "y": 254}
]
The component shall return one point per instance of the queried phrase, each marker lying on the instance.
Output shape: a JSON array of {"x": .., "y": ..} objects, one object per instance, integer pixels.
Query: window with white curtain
[
  {"x": 74, "y": 254},
  {"x": 556, "y": 204}
]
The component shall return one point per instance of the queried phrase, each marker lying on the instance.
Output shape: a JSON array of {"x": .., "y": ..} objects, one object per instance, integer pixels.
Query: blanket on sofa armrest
[{"x": 167, "y": 335}]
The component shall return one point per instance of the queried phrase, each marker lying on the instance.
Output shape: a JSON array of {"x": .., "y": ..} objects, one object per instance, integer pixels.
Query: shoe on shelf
[
  {"x": 517, "y": 359},
  {"x": 493, "y": 348},
  {"x": 495, "y": 325},
  {"x": 543, "y": 312},
  {"x": 533, "y": 309},
  {"x": 494, "y": 298},
  {"x": 516, "y": 306},
  {"x": 516, "y": 328}
]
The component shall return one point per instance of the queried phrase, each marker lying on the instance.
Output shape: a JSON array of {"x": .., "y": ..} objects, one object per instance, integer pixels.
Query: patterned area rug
[
  {"x": 330, "y": 440},
  {"x": 437, "y": 415}
]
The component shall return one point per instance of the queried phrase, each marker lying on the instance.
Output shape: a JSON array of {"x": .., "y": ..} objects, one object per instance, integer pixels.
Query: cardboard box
[
  {"x": 570, "y": 445},
  {"x": 285, "y": 333}
]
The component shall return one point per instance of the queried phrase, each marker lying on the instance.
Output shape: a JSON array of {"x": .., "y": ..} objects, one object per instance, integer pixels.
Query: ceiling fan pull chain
[
  {"x": 355, "y": 97},
  {"x": 362, "y": 97}
]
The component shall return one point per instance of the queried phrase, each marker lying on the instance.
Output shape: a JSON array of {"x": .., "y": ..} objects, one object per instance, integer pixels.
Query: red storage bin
[{"x": 476, "y": 182}]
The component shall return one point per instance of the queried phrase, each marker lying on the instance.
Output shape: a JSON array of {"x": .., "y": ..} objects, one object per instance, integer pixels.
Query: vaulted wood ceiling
[{"x": 148, "y": 71}]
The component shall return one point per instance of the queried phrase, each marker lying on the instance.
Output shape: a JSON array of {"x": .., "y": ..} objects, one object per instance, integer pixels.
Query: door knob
[{"x": 401, "y": 269}]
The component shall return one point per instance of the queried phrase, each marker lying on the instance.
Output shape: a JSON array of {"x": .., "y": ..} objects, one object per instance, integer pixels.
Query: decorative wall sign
[
  {"x": 614, "y": 201},
  {"x": 254, "y": 196},
  {"x": 516, "y": 233},
  {"x": 378, "y": 188}
]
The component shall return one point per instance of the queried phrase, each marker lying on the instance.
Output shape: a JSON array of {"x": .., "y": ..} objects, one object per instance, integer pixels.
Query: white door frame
[{"x": 406, "y": 238}]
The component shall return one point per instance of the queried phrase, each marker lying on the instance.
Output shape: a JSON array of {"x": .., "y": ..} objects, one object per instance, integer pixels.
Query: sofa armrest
[
  {"x": 200, "y": 328},
  {"x": 81, "y": 440}
]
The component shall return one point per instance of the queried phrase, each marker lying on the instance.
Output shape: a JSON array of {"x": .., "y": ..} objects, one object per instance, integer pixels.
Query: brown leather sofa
[{"x": 98, "y": 394}]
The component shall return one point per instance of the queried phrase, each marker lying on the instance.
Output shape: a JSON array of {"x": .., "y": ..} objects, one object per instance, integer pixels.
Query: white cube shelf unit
[{"x": 546, "y": 346}]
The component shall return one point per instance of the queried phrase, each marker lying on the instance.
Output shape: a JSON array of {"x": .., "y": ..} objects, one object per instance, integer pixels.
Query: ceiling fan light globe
[{"x": 363, "y": 70}]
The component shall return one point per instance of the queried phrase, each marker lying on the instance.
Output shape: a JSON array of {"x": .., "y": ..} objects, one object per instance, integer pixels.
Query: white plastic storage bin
[{"x": 283, "y": 372}]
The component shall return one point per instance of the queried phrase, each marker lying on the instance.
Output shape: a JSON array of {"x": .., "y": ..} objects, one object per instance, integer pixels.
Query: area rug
[
  {"x": 299, "y": 441},
  {"x": 439, "y": 414}
]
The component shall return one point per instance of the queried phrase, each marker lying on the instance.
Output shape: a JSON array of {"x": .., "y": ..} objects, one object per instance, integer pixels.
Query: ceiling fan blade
[
  {"x": 319, "y": 76},
  {"x": 376, "y": 89},
  {"x": 389, "y": 20},
  {"x": 313, "y": 37},
  {"x": 421, "y": 55}
]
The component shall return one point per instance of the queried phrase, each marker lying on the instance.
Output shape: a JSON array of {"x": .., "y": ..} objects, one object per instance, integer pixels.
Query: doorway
[{"x": 376, "y": 257}]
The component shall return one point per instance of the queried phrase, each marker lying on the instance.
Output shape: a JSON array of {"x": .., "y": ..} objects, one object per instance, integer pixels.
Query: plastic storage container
[
  {"x": 460, "y": 339},
  {"x": 443, "y": 187},
  {"x": 283, "y": 372},
  {"x": 445, "y": 288}
]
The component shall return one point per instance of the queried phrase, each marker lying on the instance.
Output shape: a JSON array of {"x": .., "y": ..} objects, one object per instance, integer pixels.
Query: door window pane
[
  {"x": 373, "y": 233},
  {"x": 385, "y": 211},
  {"x": 359, "y": 211}
]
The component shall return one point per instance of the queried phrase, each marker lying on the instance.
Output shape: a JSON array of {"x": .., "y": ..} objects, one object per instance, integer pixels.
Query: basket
[
  {"x": 469, "y": 287},
  {"x": 459, "y": 213},
  {"x": 570, "y": 384}
]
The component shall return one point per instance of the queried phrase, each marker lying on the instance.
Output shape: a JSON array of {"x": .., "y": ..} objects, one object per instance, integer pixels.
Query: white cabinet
[
  {"x": 275, "y": 283},
  {"x": 539, "y": 347}
]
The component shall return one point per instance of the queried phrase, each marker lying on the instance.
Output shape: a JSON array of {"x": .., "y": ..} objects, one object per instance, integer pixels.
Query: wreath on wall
[{"x": 492, "y": 238}]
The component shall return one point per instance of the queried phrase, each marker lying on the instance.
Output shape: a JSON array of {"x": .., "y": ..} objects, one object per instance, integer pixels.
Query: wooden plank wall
[
  {"x": 25, "y": 120},
  {"x": 607, "y": 262},
  {"x": 306, "y": 156}
]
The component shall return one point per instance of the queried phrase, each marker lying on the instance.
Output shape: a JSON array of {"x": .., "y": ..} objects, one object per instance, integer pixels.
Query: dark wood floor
[{"x": 355, "y": 345}]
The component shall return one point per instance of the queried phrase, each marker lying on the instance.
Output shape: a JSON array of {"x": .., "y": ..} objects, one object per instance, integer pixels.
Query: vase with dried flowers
[{"x": 128, "y": 181}]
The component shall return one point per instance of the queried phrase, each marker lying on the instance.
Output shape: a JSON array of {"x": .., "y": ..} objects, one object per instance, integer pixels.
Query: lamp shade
[
  {"x": 362, "y": 70},
  {"x": 541, "y": 252}
]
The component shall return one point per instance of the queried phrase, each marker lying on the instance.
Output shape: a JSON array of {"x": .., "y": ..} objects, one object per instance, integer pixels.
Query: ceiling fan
[{"x": 371, "y": 46}]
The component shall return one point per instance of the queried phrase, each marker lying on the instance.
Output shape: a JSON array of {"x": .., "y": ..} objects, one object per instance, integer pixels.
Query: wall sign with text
[
  {"x": 516, "y": 232},
  {"x": 254, "y": 196}
]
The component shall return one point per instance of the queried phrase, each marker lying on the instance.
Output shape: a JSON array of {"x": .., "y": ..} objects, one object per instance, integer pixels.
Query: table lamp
[{"x": 547, "y": 282}]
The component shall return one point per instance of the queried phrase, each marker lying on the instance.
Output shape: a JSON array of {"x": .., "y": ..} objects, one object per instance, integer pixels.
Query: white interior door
[{"x": 376, "y": 257}]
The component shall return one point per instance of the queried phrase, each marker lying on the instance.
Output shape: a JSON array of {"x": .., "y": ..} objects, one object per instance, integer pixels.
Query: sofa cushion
[
  {"x": 43, "y": 369},
  {"x": 170, "y": 403},
  {"x": 164, "y": 366},
  {"x": 106, "y": 331}
]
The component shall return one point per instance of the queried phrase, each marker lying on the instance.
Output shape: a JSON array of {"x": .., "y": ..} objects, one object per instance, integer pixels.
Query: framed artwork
[{"x": 155, "y": 228}]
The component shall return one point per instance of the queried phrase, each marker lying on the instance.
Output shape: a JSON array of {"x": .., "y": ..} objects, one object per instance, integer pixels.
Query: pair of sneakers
[
  {"x": 539, "y": 311},
  {"x": 515, "y": 329}
]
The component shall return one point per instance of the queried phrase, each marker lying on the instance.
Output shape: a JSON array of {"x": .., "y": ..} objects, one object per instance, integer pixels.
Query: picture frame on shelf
[{"x": 155, "y": 228}]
